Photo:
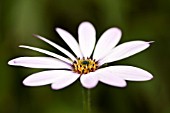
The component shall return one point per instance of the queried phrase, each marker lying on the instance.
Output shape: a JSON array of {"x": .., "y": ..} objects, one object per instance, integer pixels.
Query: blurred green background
[{"x": 138, "y": 19}]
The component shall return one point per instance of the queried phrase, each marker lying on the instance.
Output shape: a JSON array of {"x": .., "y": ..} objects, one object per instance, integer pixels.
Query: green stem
[{"x": 86, "y": 100}]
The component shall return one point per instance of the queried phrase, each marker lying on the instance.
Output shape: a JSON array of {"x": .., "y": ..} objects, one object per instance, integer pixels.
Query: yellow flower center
[{"x": 84, "y": 66}]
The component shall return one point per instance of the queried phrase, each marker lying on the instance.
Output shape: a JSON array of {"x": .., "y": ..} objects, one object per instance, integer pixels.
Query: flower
[{"x": 87, "y": 64}]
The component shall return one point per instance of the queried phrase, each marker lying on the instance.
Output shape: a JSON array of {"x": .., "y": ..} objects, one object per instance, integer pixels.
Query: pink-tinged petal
[
  {"x": 106, "y": 43},
  {"x": 39, "y": 62},
  {"x": 70, "y": 41},
  {"x": 46, "y": 77},
  {"x": 57, "y": 47},
  {"x": 87, "y": 38},
  {"x": 109, "y": 78},
  {"x": 125, "y": 50},
  {"x": 65, "y": 81},
  {"x": 130, "y": 73},
  {"x": 89, "y": 80},
  {"x": 47, "y": 53}
]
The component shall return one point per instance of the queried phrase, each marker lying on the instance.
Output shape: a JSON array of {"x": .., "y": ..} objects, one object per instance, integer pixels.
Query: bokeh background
[{"x": 138, "y": 19}]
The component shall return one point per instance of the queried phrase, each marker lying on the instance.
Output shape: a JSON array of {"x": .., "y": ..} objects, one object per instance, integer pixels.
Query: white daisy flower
[{"x": 86, "y": 63}]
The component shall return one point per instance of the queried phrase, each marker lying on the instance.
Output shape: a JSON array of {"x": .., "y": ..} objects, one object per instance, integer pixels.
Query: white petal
[
  {"x": 46, "y": 77},
  {"x": 48, "y": 53},
  {"x": 130, "y": 73},
  {"x": 89, "y": 80},
  {"x": 70, "y": 41},
  {"x": 39, "y": 62},
  {"x": 125, "y": 50},
  {"x": 57, "y": 47},
  {"x": 87, "y": 38},
  {"x": 109, "y": 78},
  {"x": 108, "y": 41},
  {"x": 65, "y": 81}
]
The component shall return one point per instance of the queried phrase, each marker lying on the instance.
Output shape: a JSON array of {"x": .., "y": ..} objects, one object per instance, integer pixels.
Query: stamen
[{"x": 84, "y": 66}]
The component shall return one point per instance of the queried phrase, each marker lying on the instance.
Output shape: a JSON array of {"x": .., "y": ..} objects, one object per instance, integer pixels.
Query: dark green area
[
  {"x": 138, "y": 19},
  {"x": 85, "y": 62}
]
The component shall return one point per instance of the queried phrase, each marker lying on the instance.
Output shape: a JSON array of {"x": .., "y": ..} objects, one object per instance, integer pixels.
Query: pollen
[{"x": 84, "y": 66}]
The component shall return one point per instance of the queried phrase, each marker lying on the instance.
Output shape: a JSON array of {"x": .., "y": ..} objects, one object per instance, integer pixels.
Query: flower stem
[{"x": 86, "y": 100}]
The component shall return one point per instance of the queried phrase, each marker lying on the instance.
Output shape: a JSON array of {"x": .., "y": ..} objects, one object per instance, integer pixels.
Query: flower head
[{"x": 85, "y": 64}]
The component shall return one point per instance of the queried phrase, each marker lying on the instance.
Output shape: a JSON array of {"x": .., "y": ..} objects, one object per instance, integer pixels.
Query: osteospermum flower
[{"x": 86, "y": 63}]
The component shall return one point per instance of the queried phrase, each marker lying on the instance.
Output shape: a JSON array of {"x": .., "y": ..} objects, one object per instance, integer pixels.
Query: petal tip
[
  {"x": 123, "y": 85},
  {"x": 39, "y": 37},
  {"x": 85, "y": 24},
  {"x": 117, "y": 29},
  {"x": 21, "y": 46},
  {"x": 150, "y": 42},
  {"x": 58, "y": 29},
  {"x": 26, "y": 83},
  {"x": 150, "y": 77},
  {"x": 35, "y": 35},
  {"x": 54, "y": 88},
  {"x": 11, "y": 62},
  {"x": 89, "y": 87}
]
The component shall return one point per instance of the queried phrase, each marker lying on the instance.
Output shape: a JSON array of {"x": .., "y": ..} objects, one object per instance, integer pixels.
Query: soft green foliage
[{"x": 138, "y": 19}]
